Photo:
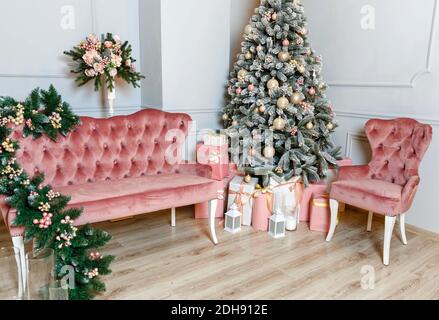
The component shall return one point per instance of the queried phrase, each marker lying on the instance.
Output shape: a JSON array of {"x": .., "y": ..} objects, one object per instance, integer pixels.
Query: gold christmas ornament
[
  {"x": 279, "y": 170},
  {"x": 301, "y": 69},
  {"x": 247, "y": 178},
  {"x": 330, "y": 126},
  {"x": 241, "y": 74},
  {"x": 310, "y": 126},
  {"x": 259, "y": 48},
  {"x": 248, "y": 29},
  {"x": 279, "y": 124},
  {"x": 296, "y": 98},
  {"x": 234, "y": 123},
  {"x": 272, "y": 84},
  {"x": 249, "y": 55},
  {"x": 262, "y": 109},
  {"x": 225, "y": 117},
  {"x": 283, "y": 56},
  {"x": 274, "y": 16},
  {"x": 269, "y": 152},
  {"x": 282, "y": 103}
]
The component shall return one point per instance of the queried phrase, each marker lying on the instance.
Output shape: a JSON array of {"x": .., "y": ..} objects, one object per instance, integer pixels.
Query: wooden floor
[{"x": 155, "y": 261}]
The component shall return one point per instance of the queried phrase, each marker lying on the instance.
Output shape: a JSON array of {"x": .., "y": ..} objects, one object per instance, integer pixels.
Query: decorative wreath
[{"x": 40, "y": 209}]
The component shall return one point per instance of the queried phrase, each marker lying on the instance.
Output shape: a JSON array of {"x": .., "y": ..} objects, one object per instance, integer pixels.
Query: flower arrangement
[
  {"x": 108, "y": 58},
  {"x": 41, "y": 210}
]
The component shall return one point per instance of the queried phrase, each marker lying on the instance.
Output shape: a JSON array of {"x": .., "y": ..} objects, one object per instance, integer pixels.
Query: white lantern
[
  {"x": 276, "y": 225},
  {"x": 233, "y": 219}
]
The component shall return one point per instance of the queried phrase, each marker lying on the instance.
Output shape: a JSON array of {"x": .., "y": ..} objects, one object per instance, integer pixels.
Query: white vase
[{"x": 111, "y": 96}]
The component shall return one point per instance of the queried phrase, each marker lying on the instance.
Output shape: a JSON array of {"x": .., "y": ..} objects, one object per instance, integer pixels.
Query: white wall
[
  {"x": 389, "y": 72},
  {"x": 34, "y": 41},
  {"x": 195, "y": 57}
]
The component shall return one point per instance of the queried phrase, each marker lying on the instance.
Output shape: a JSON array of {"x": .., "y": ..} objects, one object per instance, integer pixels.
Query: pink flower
[
  {"x": 92, "y": 38},
  {"x": 300, "y": 81},
  {"x": 90, "y": 73},
  {"x": 90, "y": 57},
  {"x": 108, "y": 44},
  {"x": 128, "y": 63},
  {"x": 116, "y": 38},
  {"x": 98, "y": 67},
  {"x": 113, "y": 72},
  {"x": 116, "y": 60},
  {"x": 293, "y": 131}
]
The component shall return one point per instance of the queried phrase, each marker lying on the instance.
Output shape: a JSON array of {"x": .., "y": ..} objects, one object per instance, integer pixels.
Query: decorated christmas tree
[{"x": 278, "y": 117}]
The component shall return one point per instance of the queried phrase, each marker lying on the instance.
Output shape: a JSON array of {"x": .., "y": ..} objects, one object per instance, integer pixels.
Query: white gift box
[
  {"x": 241, "y": 193},
  {"x": 287, "y": 197},
  {"x": 214, "y": 139}
]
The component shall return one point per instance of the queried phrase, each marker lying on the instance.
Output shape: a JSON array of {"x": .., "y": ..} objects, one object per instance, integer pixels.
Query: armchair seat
[{"x": 373, "y": 195}]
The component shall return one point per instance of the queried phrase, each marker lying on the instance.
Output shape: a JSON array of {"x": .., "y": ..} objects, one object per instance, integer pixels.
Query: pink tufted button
[
  {"x": 181, "y": 123},
  {"x": 70, "y": 183},
  {"x": 105, "y": 146},
  {"x": 115, "y": 162},
  {"x": 126, "y": 176},
  {"x": 98, "y": 163},
  {"x": 36, "y": 169},
  {"x": 89, "y": 180},
  {"x": 142, "y": 174},
  {"x": 107, "y": 178},
  {"x": 129, "y": 126},
  {"x": 174, "y": 140},
  {"x": 156, "y": 141},
  {"x": 386, "y": 162}
]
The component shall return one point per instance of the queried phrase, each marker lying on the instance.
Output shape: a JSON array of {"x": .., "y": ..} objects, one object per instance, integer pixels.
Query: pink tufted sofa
[
  {"x": 118, "y": 167},
  {"x": 388, "y": 184}
]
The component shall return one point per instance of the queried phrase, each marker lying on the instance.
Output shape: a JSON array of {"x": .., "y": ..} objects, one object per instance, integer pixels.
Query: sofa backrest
[
  {"x": 144, "y": 143},
  {"x": 398, "y": 147}
]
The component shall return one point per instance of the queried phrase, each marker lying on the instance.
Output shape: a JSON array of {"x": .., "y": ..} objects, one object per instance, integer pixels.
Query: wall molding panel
[
  {"x": 372, "y": 115},
  {"x": 351, "y": 138}
]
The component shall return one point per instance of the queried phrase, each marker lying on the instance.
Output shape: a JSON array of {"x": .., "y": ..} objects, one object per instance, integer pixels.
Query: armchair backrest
[
  {"x": 107, "y": 149},
  {"x": 398, "y": 147}
]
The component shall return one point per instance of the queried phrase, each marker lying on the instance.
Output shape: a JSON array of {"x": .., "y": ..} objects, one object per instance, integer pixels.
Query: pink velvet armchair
[{"x": 388, "y": 184}]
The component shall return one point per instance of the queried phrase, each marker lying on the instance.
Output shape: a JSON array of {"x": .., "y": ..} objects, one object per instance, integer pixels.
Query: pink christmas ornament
[
  {"x": 251, "y": 87},
  {"x": 312, "y": 91},
  {"x": 238, "y": 91},
  {"x": 293, "y": 131},
  {"x": 285, "y": 43}
]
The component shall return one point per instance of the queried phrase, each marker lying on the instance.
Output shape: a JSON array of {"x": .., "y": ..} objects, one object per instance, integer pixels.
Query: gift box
[
  {"x": 241, "y": 193},
  {"x": 320, "y": 214},
  {"x": 287, "y": 198},
  {"x": 262, "y": 209},
  {"x": 214, "y": 139},
  {"x": 316, "y": 188},
  {"x": 217, "y": 157}
]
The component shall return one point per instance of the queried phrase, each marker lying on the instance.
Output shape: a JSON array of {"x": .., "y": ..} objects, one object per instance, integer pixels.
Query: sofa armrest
[
  {"x": 354, "y": 172},
  {"x": 196, "y": 169}
]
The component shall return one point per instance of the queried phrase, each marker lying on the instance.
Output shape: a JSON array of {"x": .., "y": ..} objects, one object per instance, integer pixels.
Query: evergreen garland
[{"x": 41, "y": 210}]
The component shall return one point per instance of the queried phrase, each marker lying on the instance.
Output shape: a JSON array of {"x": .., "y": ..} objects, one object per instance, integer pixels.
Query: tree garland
[{"x": 40, "y": 209}]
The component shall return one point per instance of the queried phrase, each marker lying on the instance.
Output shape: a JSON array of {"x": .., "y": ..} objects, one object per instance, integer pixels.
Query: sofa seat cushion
[
  {"x": 373, "y": 195},
  {"x": 114, "y": 199}
]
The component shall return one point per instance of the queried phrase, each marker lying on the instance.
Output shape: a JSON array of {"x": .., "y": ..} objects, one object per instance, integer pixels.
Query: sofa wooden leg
[
  {"x": 212, "y": 212},
  {"x": 18, "y": 243},
  {"x": 172, "y": 217},
  {"x": 369, "y": 221},
  {"x": 402, "y": 228},
  {"x": 334, "y": 213},
  {"x": 388, "y": 230}
]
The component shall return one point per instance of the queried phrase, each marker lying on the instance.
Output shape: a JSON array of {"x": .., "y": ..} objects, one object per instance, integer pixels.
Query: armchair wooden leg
[
  {"x": 212, "y": 212},
  {"x": 18, "y": 243},
  {"x": 369, "y": 221},
  {"x": 173, "y": 217},
  {"x": 388, "y": 231},
  {"x": 402, "y": 228},
  {"x": 334, "y": 212}
]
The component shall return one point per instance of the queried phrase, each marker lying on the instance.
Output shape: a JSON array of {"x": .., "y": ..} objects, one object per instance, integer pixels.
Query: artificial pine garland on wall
[{"x": 40, "y": 209}]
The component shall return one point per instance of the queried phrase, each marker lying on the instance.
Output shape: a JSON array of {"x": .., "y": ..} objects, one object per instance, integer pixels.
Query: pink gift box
[
  {"x": 306, "y": 199},
  {"x": 216, "y": 157},
  {"x": 320, "y": 214},
  {"x": 262, "y": 209}
]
